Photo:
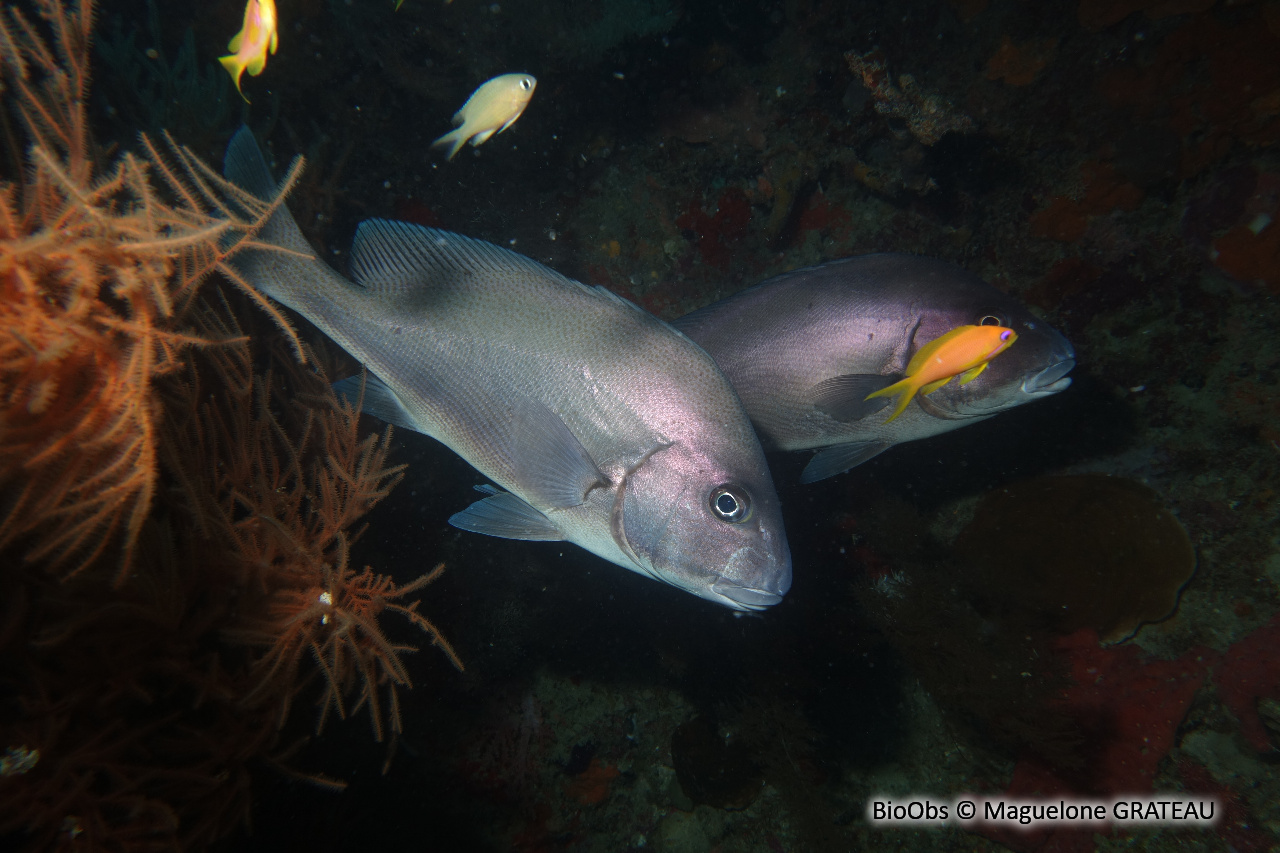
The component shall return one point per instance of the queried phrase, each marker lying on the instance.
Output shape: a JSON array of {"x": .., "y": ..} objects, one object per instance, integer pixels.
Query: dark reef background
[{"x": 1112, "y": 164}]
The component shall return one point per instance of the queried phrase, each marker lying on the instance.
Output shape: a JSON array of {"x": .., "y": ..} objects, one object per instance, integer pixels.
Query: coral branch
[{"x": 179, "y": 487}]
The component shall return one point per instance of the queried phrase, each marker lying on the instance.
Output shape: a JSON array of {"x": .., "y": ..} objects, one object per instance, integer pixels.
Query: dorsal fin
[{"x": 392, "y": 257}]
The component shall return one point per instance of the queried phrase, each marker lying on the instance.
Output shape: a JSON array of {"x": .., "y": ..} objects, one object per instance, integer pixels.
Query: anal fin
[{"x": 970, "y": 375}]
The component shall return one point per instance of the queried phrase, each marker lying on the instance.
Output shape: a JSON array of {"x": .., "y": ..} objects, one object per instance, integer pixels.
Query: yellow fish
[
  {"x": 250, "y": 46},
  {"x": 493, "y": 108},
  {"x": 964, "y": 351}
]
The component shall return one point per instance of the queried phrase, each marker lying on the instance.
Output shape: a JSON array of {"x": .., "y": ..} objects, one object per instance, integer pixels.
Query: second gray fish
[
  {"x": 601, "y": 425},
  {"x": 804, "y": 349}
]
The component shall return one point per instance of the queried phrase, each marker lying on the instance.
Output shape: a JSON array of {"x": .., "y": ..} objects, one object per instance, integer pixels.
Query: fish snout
[
  {"x": 1052, "y": 379},
  {"x": 770, "y": 583}
]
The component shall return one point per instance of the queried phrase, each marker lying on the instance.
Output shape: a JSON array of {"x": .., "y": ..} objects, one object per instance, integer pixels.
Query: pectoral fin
[
  {"x": 548, "y": 461},
  {"x": 840, "y": 458},
  {"x": 491, "y": 419},
  {"x": 513, "y": 437},
  {"x": 505, "y": 516},
  {"x": 970, "y": 375},
  {"x": 518, "y": 441},
  {"x": 844, "y": 397}
]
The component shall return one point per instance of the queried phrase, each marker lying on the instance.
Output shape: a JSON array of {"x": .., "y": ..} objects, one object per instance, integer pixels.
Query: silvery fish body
[
  {"x": 600, "y": 424},
  {"x": 804, "y": 349}
]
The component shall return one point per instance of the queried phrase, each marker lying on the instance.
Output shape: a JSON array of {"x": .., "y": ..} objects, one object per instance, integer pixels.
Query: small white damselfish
[{"x": 491, "y": 109}]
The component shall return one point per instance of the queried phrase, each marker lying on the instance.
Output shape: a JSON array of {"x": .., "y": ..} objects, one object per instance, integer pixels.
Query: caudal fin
[
  {"x": 453, "y": 141},
  {"x": 275, "y": 273},
  {"x": 246, "y": 168},
  {"x": 235, "y": 68}
]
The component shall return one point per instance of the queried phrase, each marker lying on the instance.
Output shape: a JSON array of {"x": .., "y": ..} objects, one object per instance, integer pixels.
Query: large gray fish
[
  {"x": 804, "y": 349},
  {"x": 602, "y": 425}
]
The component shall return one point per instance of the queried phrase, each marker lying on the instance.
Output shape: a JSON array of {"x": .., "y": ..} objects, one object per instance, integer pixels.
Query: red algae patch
[
  {"x": 1248, "y": 677},
  {"x": 591, "y": 786},
  {"x": 1066, "y": 219}
]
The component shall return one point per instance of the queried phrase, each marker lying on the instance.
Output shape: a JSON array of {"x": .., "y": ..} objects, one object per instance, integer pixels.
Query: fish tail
[
  {"x": 904, "y": 390},
  {"x": 282, "y": 275},
  {"x": 235, "y": 68},
  {"x": 453, "y": 140}
]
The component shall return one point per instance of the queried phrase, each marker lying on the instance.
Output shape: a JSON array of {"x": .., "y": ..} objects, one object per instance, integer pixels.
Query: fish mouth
[
  {"x": 740, "y": 597},
  {"x": 775, "y": 581},
  {"x": 1052, "y": 379}
]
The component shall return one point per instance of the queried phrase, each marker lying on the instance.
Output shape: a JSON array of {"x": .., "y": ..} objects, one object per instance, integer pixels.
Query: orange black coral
[
  {"x": 177, "y": 496},
  {"x": 97, "y": 274}
]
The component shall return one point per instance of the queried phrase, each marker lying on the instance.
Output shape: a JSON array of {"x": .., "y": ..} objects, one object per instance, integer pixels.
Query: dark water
[{"x": 1113, "y": 165}]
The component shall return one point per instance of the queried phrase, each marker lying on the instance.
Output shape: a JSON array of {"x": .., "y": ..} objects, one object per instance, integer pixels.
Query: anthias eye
[{"x": 730, "y": 503}]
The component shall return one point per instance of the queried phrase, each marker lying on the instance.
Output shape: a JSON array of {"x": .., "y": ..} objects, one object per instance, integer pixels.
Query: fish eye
[
  {"x": 524, "y": 84},
  {"x": 991, "y": 320},
  {"x": 730, "y": 503}
]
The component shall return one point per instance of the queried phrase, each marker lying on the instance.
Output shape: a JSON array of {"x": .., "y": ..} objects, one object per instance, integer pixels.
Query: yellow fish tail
[
  {"x": 904, "y": 390},
  {"x": 453, "y": 140},
  {"x": 235, "y": 67}
]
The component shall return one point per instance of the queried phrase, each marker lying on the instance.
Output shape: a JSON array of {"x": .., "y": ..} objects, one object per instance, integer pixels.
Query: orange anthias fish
[
  {"x": 964, "y": 351},
  {"x": 250, "y": 46}
]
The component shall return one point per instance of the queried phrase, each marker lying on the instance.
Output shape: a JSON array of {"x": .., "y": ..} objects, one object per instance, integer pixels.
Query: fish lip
[
  {"x": 1052, "y": 379},
  {"x": 776, "y": 581},
  {"x": 740, "y": 597}
]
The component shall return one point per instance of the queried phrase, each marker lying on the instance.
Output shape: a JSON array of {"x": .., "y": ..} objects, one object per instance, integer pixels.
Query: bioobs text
[{"x": 926, "y": 810}]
